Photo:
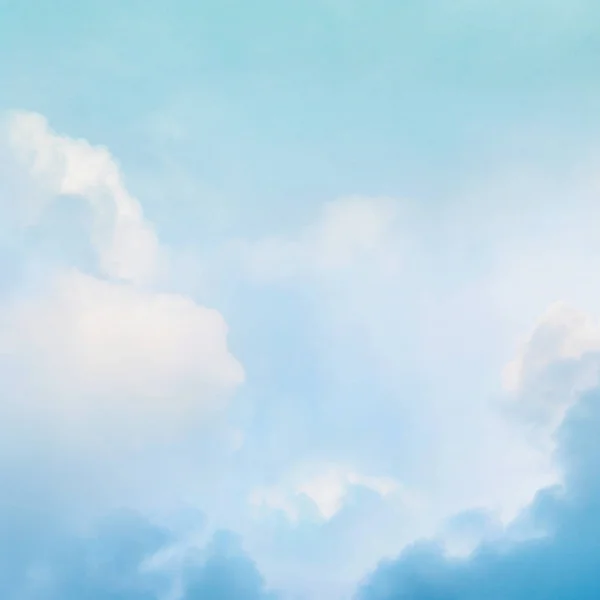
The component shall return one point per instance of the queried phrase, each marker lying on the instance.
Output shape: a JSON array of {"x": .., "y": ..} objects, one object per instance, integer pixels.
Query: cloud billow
[
  {"x": 560, "y": 562},
  {"x": 114, "y": 355}
]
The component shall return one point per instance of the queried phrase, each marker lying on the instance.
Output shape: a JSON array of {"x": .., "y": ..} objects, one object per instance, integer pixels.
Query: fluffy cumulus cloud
[
  {"x": 101, "y": 350},
  {"x": 548, "y": 550},
  {"x": 125, "y": 242},
  {"x": 326, "y": 487},
  {"x": 107, "y": 350},
  {"x": 558, "y": 558},
  {"x": 557, "y": 361}
]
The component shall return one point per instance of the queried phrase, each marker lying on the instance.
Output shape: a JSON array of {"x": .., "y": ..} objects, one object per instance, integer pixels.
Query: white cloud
[
  {"x": 327, "y": 487},
  {"x": 125, "y": 242},
  {"x": 557, "y": 361},
  {"x": 562, "y": 333},
  {"x": 99, "y": 348},
  {"x": 327, "y": 490},
  {"x": 347, "y": 232},
  {"x": 95, "y": 355}
]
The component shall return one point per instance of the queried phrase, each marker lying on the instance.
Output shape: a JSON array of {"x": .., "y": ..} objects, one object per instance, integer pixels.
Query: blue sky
[{"x": 297, "y": 299}]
